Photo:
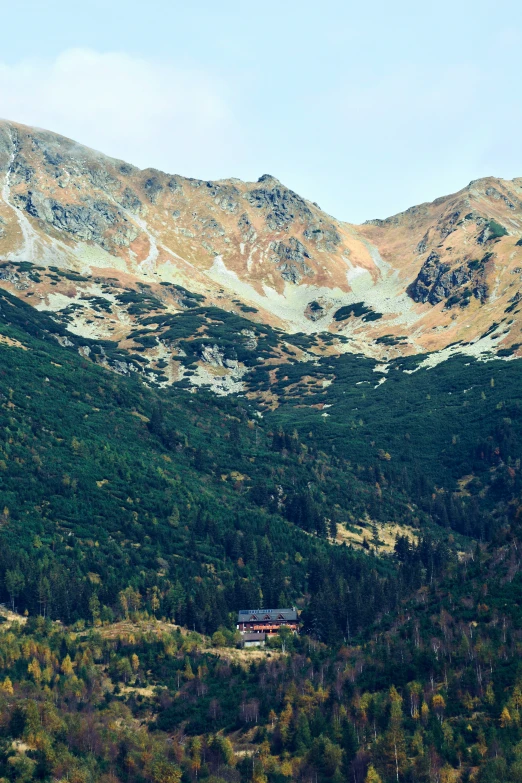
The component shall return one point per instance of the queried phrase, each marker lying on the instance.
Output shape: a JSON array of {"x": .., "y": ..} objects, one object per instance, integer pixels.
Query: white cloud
[{"x": 148, "y": 113}]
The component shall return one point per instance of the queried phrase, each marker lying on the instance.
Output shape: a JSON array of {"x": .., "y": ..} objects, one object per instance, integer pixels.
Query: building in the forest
[
  {"x": 253, "y": 639},
  {"x": 267, "y": 621}
]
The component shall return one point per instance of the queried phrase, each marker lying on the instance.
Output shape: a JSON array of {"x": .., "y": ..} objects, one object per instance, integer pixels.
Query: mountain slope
[
  {"x": 383, "y": 498},
  {"x": 106, "y": 482},
  {"x": 104, "y": 232},
  {"x": 463, "y": 256}
]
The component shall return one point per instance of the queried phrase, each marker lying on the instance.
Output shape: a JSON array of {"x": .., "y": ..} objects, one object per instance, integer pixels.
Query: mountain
[
  {"x": 127, "y": 270},
  {"x": 215, "y": 396},
  {"x": 136, "y": 520},
  {"x": 106, "y": 247}
]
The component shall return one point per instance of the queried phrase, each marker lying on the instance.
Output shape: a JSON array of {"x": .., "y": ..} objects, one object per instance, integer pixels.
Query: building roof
[
  {"x": 253, "y": 637},
  {"x": 267, "y": 615}
]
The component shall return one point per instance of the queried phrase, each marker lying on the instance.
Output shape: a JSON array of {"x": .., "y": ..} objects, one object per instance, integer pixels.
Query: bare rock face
[
  {"x": 153, "y": 187},
  {"x": 424, "y": 288},
  {"x": 324, "y": 237},
  {"x": 291, "y": 258},
  {"x": 130, "y": 201},
  {"x": 437, "y": 282},
  {"x": 246, "y": 228},
  {"x": 315, "y": 311},
  {"x": 281, "y": 205},
  {"x": 226, "y": 197},
  {"x": 250, "y": 342},
  {"x": 89, "y": 221},
  {"x": 448, "y": 223},
  {"x": 497, "y": 195},
  {"x": 131, "y": 243}
]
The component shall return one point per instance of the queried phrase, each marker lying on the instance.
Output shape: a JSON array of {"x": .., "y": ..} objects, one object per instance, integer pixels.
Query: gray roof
[
  {"x": 253, "y": 637},
  {"x": 267, "y": 615}
]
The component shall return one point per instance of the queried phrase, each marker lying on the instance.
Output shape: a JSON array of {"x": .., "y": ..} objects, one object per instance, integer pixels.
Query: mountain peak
[
  {"x": 438, "y": 273},
  {"x": 268, "y": 178}
]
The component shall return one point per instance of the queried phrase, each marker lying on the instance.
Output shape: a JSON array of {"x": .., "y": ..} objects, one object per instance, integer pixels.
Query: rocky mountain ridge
[{"x": 104, "y": 247}]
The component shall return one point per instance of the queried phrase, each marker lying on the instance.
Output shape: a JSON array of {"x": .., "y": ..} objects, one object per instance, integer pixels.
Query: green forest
[{"x": 136, "y": 520}]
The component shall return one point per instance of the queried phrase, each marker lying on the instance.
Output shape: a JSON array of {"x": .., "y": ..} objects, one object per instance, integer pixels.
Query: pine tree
[
  {"x": 15, "y": 583},
  {"x": 303, "y": 736}
]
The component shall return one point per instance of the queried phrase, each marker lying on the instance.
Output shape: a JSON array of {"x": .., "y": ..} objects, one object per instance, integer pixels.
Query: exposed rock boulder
[
  {"x": 431, "y": 270},
  {"x": 494, "y": 193},
  {"x": 251, "y": 340},
  {"x": 226, "y": 197},
  {"x": 215, "y": 356},
  {"x": 246, "y": 228},
  {"x": 153, "y": 188},
  {"x": 437, "y": 282},
  {"x": 211, "y": 228},
  {"x": 282, "y": 205},
  {"x": 314, "y": 311},
  {"x": 325, "y": 237},
  {"x": 21, "y": 172},
  {"x": 88, "y": 221},
  {"x": 290, "y": 258},
  {"x": 131, "y": 202}
]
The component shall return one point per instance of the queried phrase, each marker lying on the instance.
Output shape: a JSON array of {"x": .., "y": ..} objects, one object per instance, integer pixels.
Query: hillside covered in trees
[
  {"x": 135, "y": 521},
  {"x": 430, "y": 692}
]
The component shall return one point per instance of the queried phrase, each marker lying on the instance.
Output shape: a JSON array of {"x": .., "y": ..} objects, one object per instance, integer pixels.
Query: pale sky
[{"x": 366, "y": 108}]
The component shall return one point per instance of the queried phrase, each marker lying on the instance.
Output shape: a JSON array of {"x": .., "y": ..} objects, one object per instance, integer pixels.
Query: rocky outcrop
[
  {"x": 282, "y": 205},
  {"x": 130, "y": 201},
  {"x": 226, "y": 197},
  {"x": 448, "y": 223},
  {"x": 174, "y": 185},
  {"x": 314, "y": 311},
  {"x": 52, "y": 158},
  {"x": 382, "y": 222},
  {"x": 88, "y": 222},
  {"x": 431, "y": 272},
  {"x": 497, "y": 195},
  {"x": 491, "y": 230},
  {"x": 101, "y": 178},
  {"x": 422, "y": 246},
  {"x": 211, "y": 228},
  {"x": 401, "y": 218},
  {"x": 248, "y": 232},
  {"x": 251, "y": 340},
  {"x": 21, "y": 172},
  {"x": 215, "y": 356},
  {"x": 325, "y": 237},
  {"x": 290, "y": 258},
  {"x": 153, "y": 188},
  {"x": 20, "y": 280},
  {"x": 437, "y": 282}
]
